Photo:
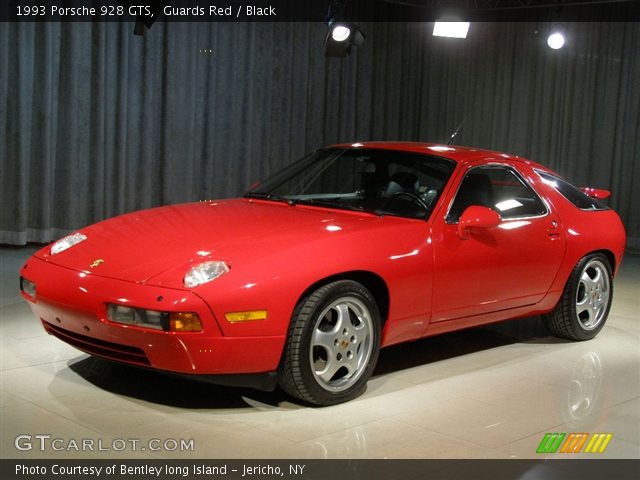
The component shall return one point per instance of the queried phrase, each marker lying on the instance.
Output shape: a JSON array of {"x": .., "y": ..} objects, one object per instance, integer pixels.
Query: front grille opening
[{"x": 102, "y": 348}]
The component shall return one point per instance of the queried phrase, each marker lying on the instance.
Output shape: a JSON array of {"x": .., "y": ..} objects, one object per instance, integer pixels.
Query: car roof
[{"x": 456, "y": 153}]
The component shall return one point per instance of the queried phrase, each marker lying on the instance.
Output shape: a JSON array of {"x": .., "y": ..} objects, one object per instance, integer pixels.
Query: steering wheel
[{"x": 412, "y": 196}]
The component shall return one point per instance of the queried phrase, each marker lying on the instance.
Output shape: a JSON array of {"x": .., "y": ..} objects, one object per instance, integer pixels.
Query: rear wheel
[
  {"x": 584, "y": 307},
  {"x": 333, "y": 344}
]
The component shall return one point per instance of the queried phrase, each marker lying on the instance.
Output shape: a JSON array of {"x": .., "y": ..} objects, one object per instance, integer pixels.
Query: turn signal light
[
  {"x": 184, "y": 322},
  {"x": 252, "y": 315}
]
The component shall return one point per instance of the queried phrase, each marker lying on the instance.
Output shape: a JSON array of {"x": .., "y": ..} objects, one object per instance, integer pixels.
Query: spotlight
[
  {"x": 340, "y": 33},
  {"x": 340, "y": 38},
  {"x": 451, "y": 29},
  {"x": 555, "y": 40}
]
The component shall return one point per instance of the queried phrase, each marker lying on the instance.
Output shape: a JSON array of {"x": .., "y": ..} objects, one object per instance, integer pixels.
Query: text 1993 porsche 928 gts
[{"x": 353, "y": 248}]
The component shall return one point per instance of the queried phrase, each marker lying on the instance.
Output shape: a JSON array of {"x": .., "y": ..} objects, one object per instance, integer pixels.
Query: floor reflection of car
[
  {"x": 584, "y": 388},
  {"x": 353, "y": 248}
]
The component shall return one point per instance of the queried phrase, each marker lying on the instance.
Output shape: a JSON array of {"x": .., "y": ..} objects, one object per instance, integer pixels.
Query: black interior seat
[{"x": 402, "y": 182}]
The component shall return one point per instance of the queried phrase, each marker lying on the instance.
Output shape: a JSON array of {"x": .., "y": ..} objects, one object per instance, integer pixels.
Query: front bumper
[{"x": 72, "y": 307}]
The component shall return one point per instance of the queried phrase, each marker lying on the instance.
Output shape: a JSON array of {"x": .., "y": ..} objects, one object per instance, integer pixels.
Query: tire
[
  {"x": 333, "y": 344},
  {"x": 586, "y": 300}
]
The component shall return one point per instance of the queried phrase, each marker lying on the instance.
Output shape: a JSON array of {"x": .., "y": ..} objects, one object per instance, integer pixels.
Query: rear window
[{"x": 572, "y": 193}]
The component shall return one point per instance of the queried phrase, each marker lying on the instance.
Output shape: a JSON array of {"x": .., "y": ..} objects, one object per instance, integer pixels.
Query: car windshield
[{"x": 384, "y": 182}]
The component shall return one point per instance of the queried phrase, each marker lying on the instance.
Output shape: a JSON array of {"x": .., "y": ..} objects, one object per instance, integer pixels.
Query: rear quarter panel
[{"x": 586, "y": 231}]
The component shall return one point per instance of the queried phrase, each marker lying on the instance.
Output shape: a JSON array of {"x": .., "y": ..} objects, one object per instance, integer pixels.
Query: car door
[{"x": 499, "y": 268}]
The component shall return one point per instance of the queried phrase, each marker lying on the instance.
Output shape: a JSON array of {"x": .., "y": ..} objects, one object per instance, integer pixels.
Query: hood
[{"x": 140, "y": 245}]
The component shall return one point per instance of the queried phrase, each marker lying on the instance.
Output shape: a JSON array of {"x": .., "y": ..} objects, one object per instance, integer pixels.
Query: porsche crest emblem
[{"x": 96, "y": 262}]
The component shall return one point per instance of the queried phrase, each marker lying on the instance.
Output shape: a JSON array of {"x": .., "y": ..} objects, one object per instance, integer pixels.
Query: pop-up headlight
[
  {"x": 67, "y": 242},
  {"x": 204, "y": 272}
]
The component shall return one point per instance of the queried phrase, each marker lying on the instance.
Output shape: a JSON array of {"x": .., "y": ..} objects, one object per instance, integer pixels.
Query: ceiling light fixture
[
  {"x": 340, "y": 32},
  {"x": 341, "y": 36},
  {"x": 451, "y": 29},
  {"x": 555, "y": 40}
]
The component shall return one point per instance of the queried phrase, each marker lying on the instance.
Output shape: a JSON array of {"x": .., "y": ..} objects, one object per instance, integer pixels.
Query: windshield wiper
[
  {"x": 270, "y": 196},
  {"x": 339, "y": 205},
  {"x": 313, "y": 201}
]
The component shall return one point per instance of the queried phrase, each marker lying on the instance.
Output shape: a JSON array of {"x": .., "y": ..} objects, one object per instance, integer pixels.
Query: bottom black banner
[{"x": 321, "y": 469}]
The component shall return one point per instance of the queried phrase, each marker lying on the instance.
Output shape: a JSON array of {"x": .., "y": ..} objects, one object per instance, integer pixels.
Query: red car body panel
[
  {"x": 495, "y": 272},
  {"x": 435, "y": 281},
  {"x": 73, "y": 305}
]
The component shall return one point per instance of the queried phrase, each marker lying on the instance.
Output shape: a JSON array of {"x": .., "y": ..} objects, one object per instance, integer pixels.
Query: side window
[
  {"x": 572, "y": 193},
  {"x": 499, "y": 188}
]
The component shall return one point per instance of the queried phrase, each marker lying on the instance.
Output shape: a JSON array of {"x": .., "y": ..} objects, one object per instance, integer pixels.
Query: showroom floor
[{"x": 482, "y": 393}]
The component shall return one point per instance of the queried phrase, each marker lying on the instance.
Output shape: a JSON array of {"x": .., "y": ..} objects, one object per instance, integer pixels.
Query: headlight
[
  {"x": 138, "y": 317},
  {"x": 167, "y": 321},
  {"x": 28, "y": 287},
  {"x": 204, "y": 272},
  {"x": 67, "y": 242}
]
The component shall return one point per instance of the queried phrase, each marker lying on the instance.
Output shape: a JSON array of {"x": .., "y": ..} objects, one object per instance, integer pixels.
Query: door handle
[{"x": 553, "y": 231}]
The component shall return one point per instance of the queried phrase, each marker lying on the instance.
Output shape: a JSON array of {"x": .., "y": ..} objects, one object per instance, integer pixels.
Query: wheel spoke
[
  {"x": 329, "y": 370},
  {"x": 601, "y": 283},
  {"x": 360, "y": 326},
  {"x": 351, "y": 364},
  {"x": 586, "y": 280},
  {"x": 342, "y": 320},
  {"x": 325, "y": 340},
  {"x": 590, "y": 315},
  {"x": 582, "y": 306},
  {"x": 597, "y": 310}
]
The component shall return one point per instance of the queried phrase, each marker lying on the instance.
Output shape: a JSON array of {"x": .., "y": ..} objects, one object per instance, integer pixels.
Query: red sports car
[{"x": 353, "y": 248}]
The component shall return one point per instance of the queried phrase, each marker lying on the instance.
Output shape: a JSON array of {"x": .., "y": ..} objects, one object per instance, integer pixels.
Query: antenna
[{"x": 461, "y": 123}]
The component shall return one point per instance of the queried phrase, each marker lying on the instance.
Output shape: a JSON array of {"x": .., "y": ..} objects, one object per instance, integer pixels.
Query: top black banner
[{"x": 148, "y": 11}]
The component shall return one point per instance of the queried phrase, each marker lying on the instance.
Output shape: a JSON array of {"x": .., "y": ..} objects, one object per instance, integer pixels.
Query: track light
[
  {"x": 340, "y": 33},
  {"x": 341, "y": 37},
  {"x": 555, "y": 40},
  {"x": 451, "y": 29}
]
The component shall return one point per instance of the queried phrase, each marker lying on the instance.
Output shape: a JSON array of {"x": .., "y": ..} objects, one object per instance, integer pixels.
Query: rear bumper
[{"x": 72, "y": 307}]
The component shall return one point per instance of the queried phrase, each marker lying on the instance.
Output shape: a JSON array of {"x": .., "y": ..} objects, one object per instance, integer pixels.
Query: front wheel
[
  {"x": 585, "y": 303},
  {"x": 333, "y": 344}
]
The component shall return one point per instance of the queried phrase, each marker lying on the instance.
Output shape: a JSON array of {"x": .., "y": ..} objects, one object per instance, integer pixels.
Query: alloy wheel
[{"x": 341, "y": 344}]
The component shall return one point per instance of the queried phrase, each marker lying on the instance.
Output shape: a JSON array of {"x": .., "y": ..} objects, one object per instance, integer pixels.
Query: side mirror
[
  {"x": 596, "y": 192},
  {"x": 476, "y": 216}
]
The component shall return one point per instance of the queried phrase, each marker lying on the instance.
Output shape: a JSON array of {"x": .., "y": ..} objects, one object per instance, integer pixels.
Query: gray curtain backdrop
[{"x": 95, "y": 122}]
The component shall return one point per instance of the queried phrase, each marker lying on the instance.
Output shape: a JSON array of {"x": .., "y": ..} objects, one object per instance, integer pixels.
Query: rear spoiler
[{"x": 596, "y": 192}]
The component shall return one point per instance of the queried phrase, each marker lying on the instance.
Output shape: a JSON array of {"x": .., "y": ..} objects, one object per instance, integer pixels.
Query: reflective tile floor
[{"x": 483, "y": 393}]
